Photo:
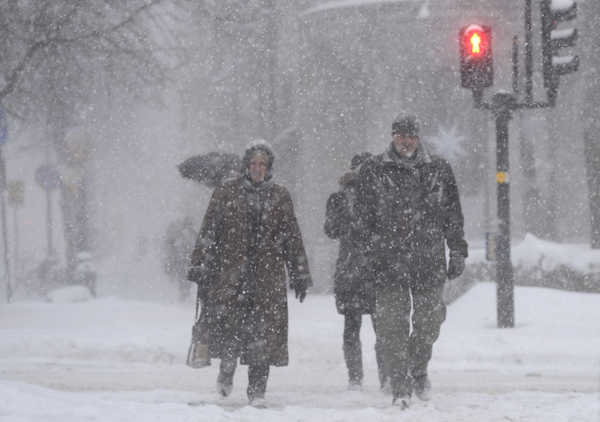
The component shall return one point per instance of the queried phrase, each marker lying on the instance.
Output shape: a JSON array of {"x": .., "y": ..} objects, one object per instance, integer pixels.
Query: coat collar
[
  {"x": 250, "y": 187},
  {"x": 422, "y": 157}
]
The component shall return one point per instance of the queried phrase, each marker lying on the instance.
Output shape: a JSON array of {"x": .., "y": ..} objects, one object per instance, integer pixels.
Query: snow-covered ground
[{"x": 121, "y": 360}]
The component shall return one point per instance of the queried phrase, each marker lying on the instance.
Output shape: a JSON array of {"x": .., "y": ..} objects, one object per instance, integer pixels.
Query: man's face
[
  {"x": 258, "y": 167},
  {"x": 405, "y": 145}
]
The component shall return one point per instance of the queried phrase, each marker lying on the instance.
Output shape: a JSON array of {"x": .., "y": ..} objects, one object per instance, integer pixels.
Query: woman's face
[{"x": 258, "y": 167}]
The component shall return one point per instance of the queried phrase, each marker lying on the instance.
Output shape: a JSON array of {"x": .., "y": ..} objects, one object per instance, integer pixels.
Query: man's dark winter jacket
[
  {"x": 353, "y": 282},
  {"x": 407, "y": 209}
]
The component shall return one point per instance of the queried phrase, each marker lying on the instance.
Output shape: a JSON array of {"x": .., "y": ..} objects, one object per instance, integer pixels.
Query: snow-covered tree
[{"x": 59, "y": 57}]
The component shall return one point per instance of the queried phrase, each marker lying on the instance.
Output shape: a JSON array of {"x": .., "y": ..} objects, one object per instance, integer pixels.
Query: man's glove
[
  {"x": 301, "y": 294},
  {"x": 456, "y": 266},
  {"x": 301, "y": 286}
]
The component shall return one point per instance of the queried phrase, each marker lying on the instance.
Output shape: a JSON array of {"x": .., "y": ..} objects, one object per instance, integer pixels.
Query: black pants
[
  {"x": 353, "y": 348},
  {"x": 258, "y": 376}
]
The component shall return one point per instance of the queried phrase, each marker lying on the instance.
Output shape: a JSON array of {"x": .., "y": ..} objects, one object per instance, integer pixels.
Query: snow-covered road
[{"x": 113, "y": 359}]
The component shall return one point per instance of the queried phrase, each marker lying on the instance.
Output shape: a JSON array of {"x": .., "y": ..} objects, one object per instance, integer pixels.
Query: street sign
[
  {"x": 3, "y": 127},
  {"x": 490, "y": 246},
  {"x": 47, "y": 177},
  {"x": 16, "y": 193}
]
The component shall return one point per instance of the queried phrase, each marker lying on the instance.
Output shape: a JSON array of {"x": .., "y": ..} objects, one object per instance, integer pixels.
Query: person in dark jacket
[
  {"x": 353, "y": 282},
  {"x": 249, "y": 238},
  {"x": 409, "y": 208}
]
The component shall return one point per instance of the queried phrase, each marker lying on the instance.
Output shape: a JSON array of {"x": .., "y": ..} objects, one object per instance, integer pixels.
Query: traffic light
[
  {"x": 554, "y": 12},
  {"x": 476, "y": 67}
]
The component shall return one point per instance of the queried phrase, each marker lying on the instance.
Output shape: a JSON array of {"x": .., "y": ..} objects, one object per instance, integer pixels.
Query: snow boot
[
  {"x": 258, "y": 403},
  {"x": 225, "y": 383},
  {"x": 386, "y": 386},
  {"x": 423, "y": 388},
  {"x": 403, "y": 402},
  {"x": 355, "y": 385}
]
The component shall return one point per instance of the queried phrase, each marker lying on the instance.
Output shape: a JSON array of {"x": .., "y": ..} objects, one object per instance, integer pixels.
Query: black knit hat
[
  {"x": 406, "y": 124},
  {"x": 260, "y": 146}
]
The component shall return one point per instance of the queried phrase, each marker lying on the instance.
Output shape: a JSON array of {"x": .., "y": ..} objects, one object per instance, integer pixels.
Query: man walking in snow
[{"x": 409, "y": 206}]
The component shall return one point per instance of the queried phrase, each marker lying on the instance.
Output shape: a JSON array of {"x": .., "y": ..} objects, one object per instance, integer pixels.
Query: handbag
[{"x": 198, "y": 353}]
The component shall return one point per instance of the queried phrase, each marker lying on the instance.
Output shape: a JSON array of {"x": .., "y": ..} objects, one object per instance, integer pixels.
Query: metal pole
[
  {"x": 4, "y": 228},
  {"x": 49, "y": 208},
  {"x": 272, "y": 39},
  {"x": 16, "y": 240},
  {"x": 502, "y": 105},
  {"x": 49, "y": 222},
  {"x": 515, "y": 70},
  {"x": 528, "y": 54}
]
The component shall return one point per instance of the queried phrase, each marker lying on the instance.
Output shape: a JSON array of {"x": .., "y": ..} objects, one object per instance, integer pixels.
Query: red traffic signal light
[
  {"x": 476, "y": 67},
  {"x": 476, "y": 41}
]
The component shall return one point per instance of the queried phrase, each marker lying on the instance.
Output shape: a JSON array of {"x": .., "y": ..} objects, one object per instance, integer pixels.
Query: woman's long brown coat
[{"x": 258, "y": 334}]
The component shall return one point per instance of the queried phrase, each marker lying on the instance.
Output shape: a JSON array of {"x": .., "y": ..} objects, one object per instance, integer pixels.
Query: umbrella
[{"x": 210, "y": 169}]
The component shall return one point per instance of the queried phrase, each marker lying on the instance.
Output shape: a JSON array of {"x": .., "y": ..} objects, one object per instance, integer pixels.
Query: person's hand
[
  {"x": 456, "y": 266},
  {"x": 301, "y": 293},
  {"x": 300, "y": 286}
]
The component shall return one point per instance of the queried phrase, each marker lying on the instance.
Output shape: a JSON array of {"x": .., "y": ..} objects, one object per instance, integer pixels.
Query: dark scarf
[
  {"x": 406, "y": 162},
  {"x": 256, "y": 194}
]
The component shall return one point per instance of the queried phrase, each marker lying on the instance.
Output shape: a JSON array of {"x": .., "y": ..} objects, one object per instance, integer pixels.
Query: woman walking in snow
[{"x": 249, "y": 237}]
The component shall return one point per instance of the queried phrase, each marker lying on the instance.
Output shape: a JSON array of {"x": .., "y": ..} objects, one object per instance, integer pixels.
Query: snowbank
[
  {"x": 537, "y": 262},
  {"x": 69, "y": 294}
]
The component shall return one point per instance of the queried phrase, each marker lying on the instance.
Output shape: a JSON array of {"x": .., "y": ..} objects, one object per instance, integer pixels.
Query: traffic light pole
[
  {"x": 528, "y": 54},
  {"x": 477, "y": 74},
  {"x": 7, "y": 277},
  {"x": 502, "y": 106}
]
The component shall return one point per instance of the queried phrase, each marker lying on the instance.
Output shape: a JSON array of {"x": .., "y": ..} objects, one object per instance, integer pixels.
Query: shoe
[
  {"x": 422, "y": 387},
  {"x": 355, "y": 385},
  {"x": 402, "y": 401},
  {"x": 386, "y": 387},
  {"x": 258, "y": 403},
  {"x": 224, "y": 384}
]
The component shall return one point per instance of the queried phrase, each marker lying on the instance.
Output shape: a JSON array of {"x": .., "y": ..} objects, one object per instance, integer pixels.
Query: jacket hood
[
  {"x": 263, "y": 147},
  {"x": 347, "y": 178}
]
